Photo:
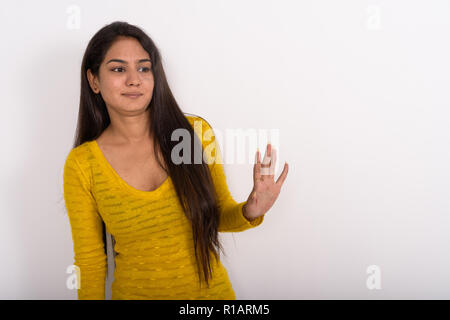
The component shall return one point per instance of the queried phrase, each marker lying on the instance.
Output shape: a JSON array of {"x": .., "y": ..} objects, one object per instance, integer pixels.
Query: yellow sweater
[{"x": 153, "y": 238}]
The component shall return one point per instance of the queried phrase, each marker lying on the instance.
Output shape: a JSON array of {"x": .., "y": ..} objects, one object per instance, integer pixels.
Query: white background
[{"x": 359, "y": 91}]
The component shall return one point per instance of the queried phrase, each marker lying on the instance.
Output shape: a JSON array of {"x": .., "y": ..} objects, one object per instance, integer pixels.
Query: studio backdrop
[{"x": 353, "y": 94}]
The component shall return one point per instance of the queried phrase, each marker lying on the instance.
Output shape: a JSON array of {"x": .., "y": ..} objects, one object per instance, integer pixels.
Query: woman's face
[{"x": 125, "y": 69}]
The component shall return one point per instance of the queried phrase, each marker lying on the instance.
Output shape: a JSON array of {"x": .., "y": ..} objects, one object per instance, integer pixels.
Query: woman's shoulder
[
  {"x": 207, "y": 136},
  {"x": 80, "y": 155},
  {"x": 79, "y": 162},
  {"x": 196, "y": 120}
]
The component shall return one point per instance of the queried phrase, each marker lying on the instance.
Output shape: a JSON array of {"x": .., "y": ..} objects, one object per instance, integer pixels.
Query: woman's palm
[{"x": 265, "y": 189}]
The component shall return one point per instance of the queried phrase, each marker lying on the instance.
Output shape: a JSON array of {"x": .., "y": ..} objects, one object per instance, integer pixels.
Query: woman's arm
[
  {"x": 231, "y": 212},
  {"x": 87, "y": 232}
]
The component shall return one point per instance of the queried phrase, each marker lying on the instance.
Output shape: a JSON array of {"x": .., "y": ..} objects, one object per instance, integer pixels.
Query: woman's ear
[{"x": 92, "y": 81}]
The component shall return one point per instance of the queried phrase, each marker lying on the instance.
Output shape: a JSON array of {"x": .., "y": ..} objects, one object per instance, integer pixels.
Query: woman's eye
[{"x": 144, "y": 68}]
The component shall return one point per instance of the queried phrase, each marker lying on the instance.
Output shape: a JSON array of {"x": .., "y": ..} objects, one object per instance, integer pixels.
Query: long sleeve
[
  {"x": 231, "y": 215},
  {"x": 87, "y": 231}
]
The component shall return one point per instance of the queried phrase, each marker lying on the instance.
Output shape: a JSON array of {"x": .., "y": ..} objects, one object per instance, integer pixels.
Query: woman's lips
[{"x": 133, "y": 96}]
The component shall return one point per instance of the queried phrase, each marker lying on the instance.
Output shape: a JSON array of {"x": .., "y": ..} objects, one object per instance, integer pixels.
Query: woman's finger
[
  {"x": 265, "y": 166},
  {"x": 257, "y": 167},
  {"x": 273, "y": 161},
  {"x": 283, "y": 175}
]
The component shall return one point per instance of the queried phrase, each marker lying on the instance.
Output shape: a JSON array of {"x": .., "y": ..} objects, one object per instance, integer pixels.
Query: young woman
[{"x": 121, "y": 175}]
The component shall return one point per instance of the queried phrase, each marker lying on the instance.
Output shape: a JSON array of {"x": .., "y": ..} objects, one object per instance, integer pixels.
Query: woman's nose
[{"x": 133, "y": 78}]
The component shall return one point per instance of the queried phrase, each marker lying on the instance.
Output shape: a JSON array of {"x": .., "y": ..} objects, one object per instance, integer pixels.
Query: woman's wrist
[{"x": 244, "y": 212}]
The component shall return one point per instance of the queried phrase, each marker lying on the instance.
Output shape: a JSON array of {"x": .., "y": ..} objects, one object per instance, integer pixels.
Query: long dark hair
[{"x": 193, "y": 183}]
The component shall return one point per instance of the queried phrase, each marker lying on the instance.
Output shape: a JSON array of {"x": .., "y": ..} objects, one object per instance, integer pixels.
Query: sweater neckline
[{"x": 101, "y": 157}]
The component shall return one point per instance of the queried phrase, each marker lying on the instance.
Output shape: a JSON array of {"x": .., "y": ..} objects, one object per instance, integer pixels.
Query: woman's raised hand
[{"x": 265, "y": 189}]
